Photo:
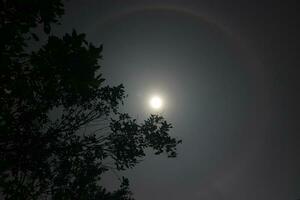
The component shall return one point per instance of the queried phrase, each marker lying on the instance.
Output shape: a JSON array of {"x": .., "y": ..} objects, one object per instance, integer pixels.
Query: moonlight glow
[{"x": 155, "y": 102}]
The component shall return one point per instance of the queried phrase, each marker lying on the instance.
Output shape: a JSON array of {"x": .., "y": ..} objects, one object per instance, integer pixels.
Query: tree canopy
[{"x": 49, "y": 100}]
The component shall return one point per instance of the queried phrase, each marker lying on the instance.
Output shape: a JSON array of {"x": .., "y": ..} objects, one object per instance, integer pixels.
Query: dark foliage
[{"x": 60, "y": 129}]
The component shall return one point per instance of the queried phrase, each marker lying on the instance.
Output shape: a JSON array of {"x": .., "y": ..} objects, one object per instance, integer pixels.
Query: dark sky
[{"x": 228, "y": 74}]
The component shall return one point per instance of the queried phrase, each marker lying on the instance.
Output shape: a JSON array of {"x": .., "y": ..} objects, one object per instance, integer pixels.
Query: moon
[{"x": 156, "y": 102}]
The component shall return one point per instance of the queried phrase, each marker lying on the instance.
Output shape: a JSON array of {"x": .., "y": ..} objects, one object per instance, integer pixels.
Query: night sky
[{"x": 228, "y": 74}]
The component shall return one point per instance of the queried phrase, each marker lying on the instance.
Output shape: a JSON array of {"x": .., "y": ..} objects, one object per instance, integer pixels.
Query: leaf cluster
[{"x": 60, "y": 125}]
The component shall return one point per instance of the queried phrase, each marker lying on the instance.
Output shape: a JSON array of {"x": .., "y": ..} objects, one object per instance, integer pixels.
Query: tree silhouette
[{"x": 60, "y": 125}]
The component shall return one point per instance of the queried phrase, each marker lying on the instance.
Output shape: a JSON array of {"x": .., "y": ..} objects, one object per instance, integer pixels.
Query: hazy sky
[{"x": 227, "y": 73}]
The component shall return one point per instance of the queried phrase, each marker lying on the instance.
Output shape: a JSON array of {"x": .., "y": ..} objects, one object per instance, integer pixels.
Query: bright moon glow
[{"x": 156, "y": 102}]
